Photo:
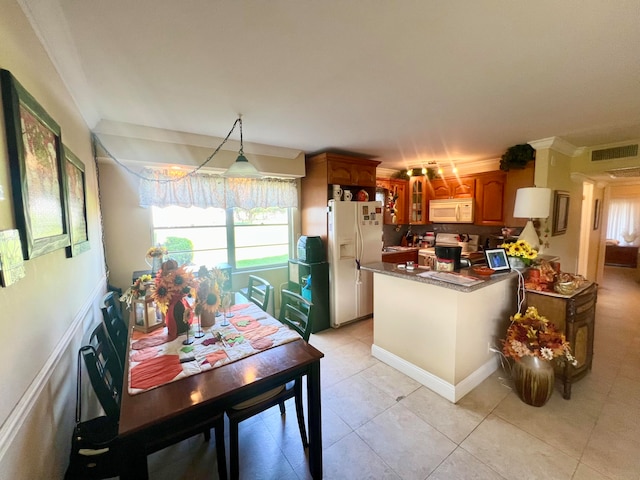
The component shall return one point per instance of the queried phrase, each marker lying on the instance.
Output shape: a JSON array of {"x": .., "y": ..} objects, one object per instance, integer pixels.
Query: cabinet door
[
  {"x": 490, "y": 198},
  {"x": 439, "y": 189},
  {"x": 384, "y": 183},
  {"x": 417, "y": 201},
  {"x": 465, "y": 187},
  {"x": 400, "y": 191},
  {"x": 363, "y": 175},
  {"x": 339, "y": 173}
]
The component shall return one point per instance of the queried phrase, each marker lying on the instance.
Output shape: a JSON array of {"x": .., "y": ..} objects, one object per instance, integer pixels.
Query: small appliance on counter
[{"x": 451, "y": 252}]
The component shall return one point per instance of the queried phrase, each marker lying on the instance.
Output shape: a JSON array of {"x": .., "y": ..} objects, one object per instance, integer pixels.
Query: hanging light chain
[{"x": 98, "y": 142}]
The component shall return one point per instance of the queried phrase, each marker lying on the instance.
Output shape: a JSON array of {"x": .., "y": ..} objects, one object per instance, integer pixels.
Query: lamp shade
[
  {"x": 532, "y": 202},
  {"x": 241, "y": 168}
]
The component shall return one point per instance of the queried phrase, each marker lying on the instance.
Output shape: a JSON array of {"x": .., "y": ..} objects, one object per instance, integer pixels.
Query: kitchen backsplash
[{"x": 392, "y": 234}]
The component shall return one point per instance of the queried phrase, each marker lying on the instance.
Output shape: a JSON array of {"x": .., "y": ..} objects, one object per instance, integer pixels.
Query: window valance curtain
[{"x": 163, "y": 188}]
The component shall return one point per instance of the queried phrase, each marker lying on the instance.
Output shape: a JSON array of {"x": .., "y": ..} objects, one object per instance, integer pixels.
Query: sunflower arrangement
[
  {"x": 209, "y": 292},
  {"x": 158, "y": 251},
  {"x": 137, "y": 290},
  {"x": 172, "y": 281},
  {"x": 522, "y": 249},
  {"x": 534, "y": 335}
]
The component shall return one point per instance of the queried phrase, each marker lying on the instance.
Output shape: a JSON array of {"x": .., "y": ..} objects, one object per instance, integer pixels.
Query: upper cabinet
[
  {"x": 396, "y": 195},
  {"x": 348, "y": 171},
  {"x": 490, "y": 206},
  {"x": 442, "y": 188},
  {"x": 418, "y": 214},
  {"x": 321, "y": 172}
]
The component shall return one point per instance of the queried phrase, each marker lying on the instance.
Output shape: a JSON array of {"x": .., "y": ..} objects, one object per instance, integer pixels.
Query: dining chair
[
  {"x": 297, "y": 313},
  {"x": 100, "y": 434},
  {"x": 115, "y": 324},
  {"x": 259, "y": 291}
]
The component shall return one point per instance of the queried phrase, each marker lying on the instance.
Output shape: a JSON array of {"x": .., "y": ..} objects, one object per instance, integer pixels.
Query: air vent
[
  {"x": 615, "y": 152},
  {"x": 624, "y": 172}
]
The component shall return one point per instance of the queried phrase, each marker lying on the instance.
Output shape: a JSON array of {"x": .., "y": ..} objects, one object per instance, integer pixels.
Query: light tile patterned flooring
[{"x": 380, "y": 424}]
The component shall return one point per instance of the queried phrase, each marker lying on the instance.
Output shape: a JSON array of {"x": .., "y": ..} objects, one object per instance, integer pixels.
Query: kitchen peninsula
[{"x": 441, "y": 334}]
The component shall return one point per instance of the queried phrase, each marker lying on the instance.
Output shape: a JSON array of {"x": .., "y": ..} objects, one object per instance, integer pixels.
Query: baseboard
[{"x": 453, "y": 393}]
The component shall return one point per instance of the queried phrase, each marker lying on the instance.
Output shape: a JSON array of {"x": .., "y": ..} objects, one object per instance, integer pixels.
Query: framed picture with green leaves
[{"x": 35, "y": 159}]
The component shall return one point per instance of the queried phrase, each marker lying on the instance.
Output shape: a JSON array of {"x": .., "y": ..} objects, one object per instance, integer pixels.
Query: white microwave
[{"x": 452, "y": 210}]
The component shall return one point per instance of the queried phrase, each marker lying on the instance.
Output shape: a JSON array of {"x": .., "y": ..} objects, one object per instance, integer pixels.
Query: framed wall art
[
  {"x": 35, "y": 158},
  {"x": 76, "y": 201},
  {"x": 560, "y": 212},
  {"x": 596, "y": 215}
]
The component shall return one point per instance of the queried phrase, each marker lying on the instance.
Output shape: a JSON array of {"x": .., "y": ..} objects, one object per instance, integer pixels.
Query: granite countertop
[{"x": 392, "y": 270}]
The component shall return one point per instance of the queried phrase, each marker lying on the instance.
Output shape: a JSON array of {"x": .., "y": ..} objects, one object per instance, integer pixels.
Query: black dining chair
[
  {"x": 297, "y": 313},
  {"x": 116, "y": 326},
  {"x": 95, "y": 454},
  {"x": 258, "y": 291}
]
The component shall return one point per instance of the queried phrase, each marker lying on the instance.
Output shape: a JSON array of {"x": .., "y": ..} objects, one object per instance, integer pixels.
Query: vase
[
  {"x": 174, "y": 318},
  {"x": 534, "y": 380},
  {"x": 207, "y": 319},
  {"x": 156, "y": 264},
  {"x": 516, "y": 263}
]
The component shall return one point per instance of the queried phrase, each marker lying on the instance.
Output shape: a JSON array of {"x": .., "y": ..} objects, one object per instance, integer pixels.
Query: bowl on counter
[
  {"x": 482, "y": 270},
  {"x": 565, "y": 288}
]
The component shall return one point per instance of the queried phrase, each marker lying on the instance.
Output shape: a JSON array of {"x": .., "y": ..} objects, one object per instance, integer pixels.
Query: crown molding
[{"x": 557, "y": 144}]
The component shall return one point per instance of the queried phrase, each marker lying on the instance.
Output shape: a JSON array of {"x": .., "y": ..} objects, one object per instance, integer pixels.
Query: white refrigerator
[{"x": 354, "y": 239}]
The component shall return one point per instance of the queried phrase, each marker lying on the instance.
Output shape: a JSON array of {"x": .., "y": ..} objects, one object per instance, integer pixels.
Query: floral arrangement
[
  {"x": 522, "y": 249},
  {"x": 158, "y": 251},
  {"x": 137, "y": 290},
  {"x": 209, "y": 292},
  {"x": 172, "y": 281},
  {"x": 534, "y": 335}
]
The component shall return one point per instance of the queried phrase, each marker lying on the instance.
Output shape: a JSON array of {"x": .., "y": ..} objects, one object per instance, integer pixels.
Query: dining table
[{"x": 148, "y": 415}]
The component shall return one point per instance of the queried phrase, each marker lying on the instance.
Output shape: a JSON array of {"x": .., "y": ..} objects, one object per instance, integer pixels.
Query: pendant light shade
[{"x": 241, "y": 168}]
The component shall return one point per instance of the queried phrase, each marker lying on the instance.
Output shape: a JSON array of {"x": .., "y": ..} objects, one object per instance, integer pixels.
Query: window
[
  {"x": 624, "y": 220},
  {"x": 209, "y": 236}
]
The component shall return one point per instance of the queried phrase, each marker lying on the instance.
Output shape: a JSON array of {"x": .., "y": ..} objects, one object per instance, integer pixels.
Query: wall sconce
[{"x": 532, "y": 202}]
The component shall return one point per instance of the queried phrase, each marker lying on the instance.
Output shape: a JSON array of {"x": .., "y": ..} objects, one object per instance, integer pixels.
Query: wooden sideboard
[
  {"x": 575, "y": 315},
  {"x": 621, "y": 256}
]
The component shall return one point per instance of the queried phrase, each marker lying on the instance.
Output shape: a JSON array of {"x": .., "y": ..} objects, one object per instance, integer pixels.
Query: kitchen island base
[{"x": 445, "y": 338}]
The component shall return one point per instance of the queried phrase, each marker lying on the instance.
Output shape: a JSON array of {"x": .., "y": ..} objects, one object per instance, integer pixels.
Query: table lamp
[{"x": 532, "y": 202}]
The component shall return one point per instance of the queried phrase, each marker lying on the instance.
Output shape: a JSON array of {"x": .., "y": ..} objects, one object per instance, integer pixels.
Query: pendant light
[{"x": 241, "y": 168}]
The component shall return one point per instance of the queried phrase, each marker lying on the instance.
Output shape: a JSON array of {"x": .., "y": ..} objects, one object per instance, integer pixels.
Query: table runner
[{"x": 155, "y": 361}]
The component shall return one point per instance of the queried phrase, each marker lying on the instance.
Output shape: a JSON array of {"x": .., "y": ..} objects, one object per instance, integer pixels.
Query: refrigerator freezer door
[{"x": 355, "y": 235}]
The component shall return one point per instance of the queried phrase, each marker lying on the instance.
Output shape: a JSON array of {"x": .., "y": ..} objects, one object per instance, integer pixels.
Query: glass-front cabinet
[{"x": 418, "y": 201}]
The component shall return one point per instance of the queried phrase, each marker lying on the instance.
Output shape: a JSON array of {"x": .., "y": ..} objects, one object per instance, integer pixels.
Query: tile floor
[{"x": 380, "y": 424}]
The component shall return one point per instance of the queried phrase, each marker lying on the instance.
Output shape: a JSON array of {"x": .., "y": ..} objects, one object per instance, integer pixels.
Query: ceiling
[{"x": 408, "y": 82}]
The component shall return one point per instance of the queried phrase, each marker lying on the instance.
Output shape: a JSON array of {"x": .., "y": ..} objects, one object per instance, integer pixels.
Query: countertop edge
[{"x": 392, "y": 270}]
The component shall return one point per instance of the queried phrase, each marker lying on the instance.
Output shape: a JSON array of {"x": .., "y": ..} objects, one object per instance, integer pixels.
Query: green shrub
[{"x": 180, "y": 249}]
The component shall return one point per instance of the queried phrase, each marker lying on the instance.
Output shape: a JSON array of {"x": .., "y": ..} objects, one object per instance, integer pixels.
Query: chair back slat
[
  {"x": 297, "y": 313},
  {"x": 115, "y": 325},
  {"x": 259, "y": 291}
]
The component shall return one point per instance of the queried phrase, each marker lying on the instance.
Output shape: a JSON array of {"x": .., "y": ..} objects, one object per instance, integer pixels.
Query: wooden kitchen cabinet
[
  {"x": 516, "y": 178},
  {"x": 451, "y": 187},
  {"x": 418, "y": 213},
  {"x": 490, "y": 207},
  {"x": 400, "y": 190},
  {"x": 323, "y": 170},
  {"x": 575, "y": 315}
]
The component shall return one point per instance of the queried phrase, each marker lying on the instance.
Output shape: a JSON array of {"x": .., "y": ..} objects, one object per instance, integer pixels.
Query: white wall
[{"x": 44, "y": 316}]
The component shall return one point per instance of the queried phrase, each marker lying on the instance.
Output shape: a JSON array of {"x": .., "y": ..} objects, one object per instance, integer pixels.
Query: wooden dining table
[{"x": 148, "y": 416}]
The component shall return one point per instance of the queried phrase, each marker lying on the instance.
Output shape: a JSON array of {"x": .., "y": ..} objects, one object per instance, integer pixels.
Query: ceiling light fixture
[
  {"x": 424, "y": 171},
  {"x": 241, "y": 168}
]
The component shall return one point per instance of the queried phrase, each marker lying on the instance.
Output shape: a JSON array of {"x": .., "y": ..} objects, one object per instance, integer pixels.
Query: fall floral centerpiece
[
  {"x": 520, "y": 249},
  {"x": 534, "y": 335},
  {"x": 172, "y": 285},
  {"x": 209, "y": 294},
  {"x": 155, "y": 252},
  {"x": 139, "y": 289}
]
